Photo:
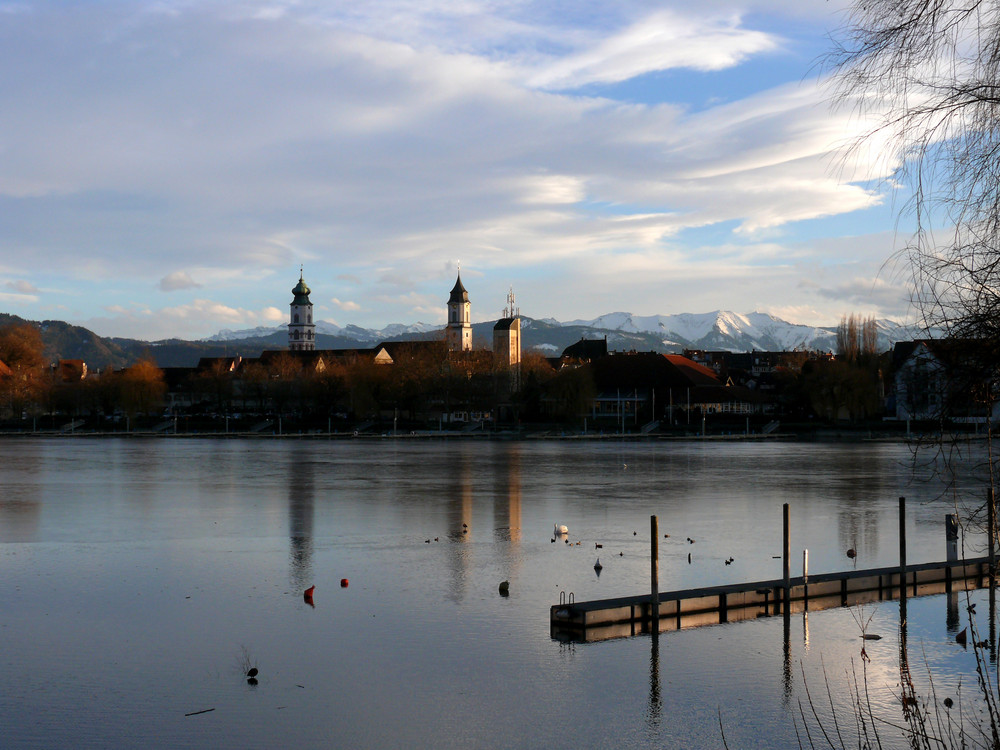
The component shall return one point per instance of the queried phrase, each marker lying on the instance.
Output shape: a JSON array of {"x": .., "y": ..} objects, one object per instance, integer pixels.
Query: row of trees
[{"x": 423, "y": 382}]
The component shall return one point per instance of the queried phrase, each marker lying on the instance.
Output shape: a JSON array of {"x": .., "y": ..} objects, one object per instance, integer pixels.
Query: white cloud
[
  {"x": 345, "y": 304},
  {"x": 178, "y": 280},
  {"x": 21, "y": 287},
  {"x": 661, "y": 41},
  {"x": 375, "y": 142}
]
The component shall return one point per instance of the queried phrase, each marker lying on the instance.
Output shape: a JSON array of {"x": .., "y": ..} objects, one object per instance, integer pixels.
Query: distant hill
[{"x": 719, "y": 330}]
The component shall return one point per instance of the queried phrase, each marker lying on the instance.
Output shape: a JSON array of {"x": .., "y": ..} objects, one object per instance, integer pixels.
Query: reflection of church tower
[
  {"x": 459, "y": 330},
  {"x": 301, "y": 330},
  {"x": 507, "y": 343},
  {"x": 301, "y": 501}
]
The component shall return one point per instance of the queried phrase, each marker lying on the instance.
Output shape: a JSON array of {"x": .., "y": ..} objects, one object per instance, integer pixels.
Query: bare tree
[{"x": 930, "y": 71}]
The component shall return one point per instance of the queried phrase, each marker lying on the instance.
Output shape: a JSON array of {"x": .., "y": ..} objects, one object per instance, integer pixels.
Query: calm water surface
[{"x": 135, "y": 574}]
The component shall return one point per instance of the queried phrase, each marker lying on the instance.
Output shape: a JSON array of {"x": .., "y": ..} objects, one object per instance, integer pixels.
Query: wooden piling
[
  {"x": 991, "y": 513},
  {"x": 902, "y": 561},
  {"x": 654, "y": 571},
  {"x": 805, "y": 577},
  {"x": 787, "y": 556},
  {"x": 951, "y": 537}
]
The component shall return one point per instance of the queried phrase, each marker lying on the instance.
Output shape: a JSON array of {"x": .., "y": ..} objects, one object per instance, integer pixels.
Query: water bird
[
  {"x": 982, "y": 644},
  {"x": 560, "y": 530},
  {"x": 730, "y": 561},
  {"x": 961, "y": 637},
  {"x": 598, "y": 546},
  {"x": 666, "y": 536},
  {"x": 553, "y": 540},
  {"x": 435, "y": 539},
  {"x": 252, "y": 672},
  {"x": 621, "y": 554},
  {"x": 597, "y": 565},
  {"x": 852, "y": 553},
  {"x": 427, "y": 541},
  {"x": 948, "y": 703},
  {"x": 634, "y": 533},
  {"x": 972, "y": 608},
  {"x": 690, "y": 540},
  {"x": 504, "y": 588}
]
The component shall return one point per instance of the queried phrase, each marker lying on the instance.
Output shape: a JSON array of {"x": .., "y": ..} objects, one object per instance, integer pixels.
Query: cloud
[
  {"x": 178, "y": 280},
  {"x": 661, "y": 41},
  {"x": 183, "y": 321},
  {"x": 21, "y": 287},
  {"x": 375, "y": 143},
  {"x": 871, "y": 293},
  {"x": 345, "y": 305},
  {"x": 272, "y": 314}
]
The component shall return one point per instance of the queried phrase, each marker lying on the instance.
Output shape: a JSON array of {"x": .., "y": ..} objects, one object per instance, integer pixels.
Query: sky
[{"x": 167, "y": 167}]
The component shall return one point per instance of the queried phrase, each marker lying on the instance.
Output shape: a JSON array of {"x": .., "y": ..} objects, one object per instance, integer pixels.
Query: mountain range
[{"x": 719, "y": 330}]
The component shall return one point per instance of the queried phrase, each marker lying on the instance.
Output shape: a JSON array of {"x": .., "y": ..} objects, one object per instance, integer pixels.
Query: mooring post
[
  {"x": 788, "y": 557},
  {"x": 805, "y": 579},
  {"x": 902, "y": 560},
  {"x": 991, "y": 519},
  {"x": 951, "y": 535},
  {"x": 654, "y": 572}
]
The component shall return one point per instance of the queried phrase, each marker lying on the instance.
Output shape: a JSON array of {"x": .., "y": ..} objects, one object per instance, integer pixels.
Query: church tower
[
  {"x": 459, "y": 330},
  {"x": 301, "y": 329},
  {"x": 507, "y": 343}
]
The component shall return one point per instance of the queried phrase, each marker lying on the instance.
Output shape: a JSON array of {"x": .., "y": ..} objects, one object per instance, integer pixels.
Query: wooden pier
[{"x": 631, "y": 615}]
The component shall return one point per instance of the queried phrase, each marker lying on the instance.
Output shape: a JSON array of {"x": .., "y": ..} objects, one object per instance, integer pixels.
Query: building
[
  {"x": 301, "y": 329},
  {"x": 458, "y": 333},
  {"x": 507, "y": 343}
]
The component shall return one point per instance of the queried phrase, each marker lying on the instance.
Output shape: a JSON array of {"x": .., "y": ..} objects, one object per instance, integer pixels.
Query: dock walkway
[{"x": 630, "y": 615}]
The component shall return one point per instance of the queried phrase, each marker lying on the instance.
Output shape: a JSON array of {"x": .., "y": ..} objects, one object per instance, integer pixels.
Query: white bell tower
[
  {"x": 301, "y": 329},
  {"x": 459, "y": 330}
]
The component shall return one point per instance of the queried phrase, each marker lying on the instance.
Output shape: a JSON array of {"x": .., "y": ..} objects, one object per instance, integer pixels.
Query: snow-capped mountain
[
  {"x": 725, "y": 330},
  {"x": 329, "y": 329},
  {"x": 719, "y": 330}
]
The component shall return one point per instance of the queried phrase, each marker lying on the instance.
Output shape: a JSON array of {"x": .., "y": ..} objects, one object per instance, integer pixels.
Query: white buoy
[{"x": 560, "y": 530}]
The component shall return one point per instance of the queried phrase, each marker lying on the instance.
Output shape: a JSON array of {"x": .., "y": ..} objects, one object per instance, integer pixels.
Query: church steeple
[
  {"x": 459, "y": 330},
  {"x": 301, "y": 329}
]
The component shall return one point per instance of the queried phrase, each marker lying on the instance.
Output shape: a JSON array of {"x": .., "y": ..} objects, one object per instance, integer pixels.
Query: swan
[{"x": 560, "y": 530}]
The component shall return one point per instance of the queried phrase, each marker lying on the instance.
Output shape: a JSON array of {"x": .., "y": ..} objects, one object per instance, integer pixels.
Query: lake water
[{"x": 138, "y": 575}]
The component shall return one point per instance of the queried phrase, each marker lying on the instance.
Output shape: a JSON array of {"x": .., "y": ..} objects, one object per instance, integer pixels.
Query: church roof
[
  {"x": 301, "y": 292},
  {"x": 458, "y": 294}
]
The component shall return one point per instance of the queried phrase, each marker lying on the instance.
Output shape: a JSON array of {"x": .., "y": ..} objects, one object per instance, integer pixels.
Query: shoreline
[{"x": 818, "y": 436}]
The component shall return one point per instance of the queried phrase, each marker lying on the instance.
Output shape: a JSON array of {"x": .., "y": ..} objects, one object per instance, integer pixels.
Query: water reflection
[
  {"x": 655, "y": 710},
  {"x": 21, "y": 502},
  {"x": 460, "y": 527},
  {"x": 507, "y": 514},
  {"x": 301, "y": 512}
]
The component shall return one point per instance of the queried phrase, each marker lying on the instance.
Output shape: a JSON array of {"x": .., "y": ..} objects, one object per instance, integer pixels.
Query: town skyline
[{"x": 170, "y": 165}]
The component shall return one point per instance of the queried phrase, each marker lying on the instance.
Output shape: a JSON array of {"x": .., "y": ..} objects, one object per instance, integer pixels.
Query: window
[{"x": 296, "y": 319}]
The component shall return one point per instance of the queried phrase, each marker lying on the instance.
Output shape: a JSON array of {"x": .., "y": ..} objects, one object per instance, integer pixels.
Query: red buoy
[{"x": 343, "y": 583}]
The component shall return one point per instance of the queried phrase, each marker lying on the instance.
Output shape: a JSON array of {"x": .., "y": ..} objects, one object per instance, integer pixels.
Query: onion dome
[{"x": 301, "y": 292}]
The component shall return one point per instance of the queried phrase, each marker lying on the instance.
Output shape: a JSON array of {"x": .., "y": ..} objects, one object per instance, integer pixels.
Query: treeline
[{"x": 423, "y": 385}]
